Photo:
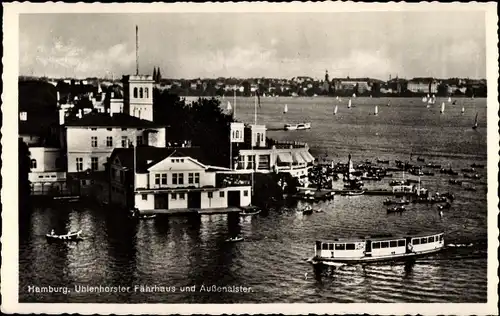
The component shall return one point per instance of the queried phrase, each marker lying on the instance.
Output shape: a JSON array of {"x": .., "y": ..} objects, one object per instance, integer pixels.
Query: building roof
[
  {"x": 148, "y": 156},
  {"x": 106, "y": 120}
]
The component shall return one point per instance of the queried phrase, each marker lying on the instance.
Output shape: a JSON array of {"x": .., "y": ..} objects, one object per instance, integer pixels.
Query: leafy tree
[{"x": 24, "y": 185}]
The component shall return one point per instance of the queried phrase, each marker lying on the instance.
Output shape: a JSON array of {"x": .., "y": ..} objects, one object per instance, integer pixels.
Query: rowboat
[
  {"x": 234, "y": 239},
  {"x": 372, "y": 249},
  {"x": 71, "y": 236},
  {"x": 300, "y": 126},
  {"x": 249, "y": 211}
]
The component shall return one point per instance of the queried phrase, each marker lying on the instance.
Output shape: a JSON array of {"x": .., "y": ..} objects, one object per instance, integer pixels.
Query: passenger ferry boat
[
  {"x": 375, "y": 249},
  {"x": 300, "y": 126}
]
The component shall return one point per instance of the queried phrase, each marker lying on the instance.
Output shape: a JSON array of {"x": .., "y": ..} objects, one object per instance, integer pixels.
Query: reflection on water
[{"x": 187, "y": 251}]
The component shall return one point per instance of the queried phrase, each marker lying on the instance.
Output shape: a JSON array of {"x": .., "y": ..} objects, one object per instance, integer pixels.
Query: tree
[{"x": 24, "y": 185}]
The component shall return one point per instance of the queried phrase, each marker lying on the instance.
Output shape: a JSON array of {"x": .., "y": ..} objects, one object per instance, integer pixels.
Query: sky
[{"x": 249, "y": 45}]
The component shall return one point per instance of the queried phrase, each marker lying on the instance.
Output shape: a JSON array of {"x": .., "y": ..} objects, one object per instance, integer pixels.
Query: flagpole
[
  {"x": 255, "y": 110},
  {"x": 230, "y": 147}
]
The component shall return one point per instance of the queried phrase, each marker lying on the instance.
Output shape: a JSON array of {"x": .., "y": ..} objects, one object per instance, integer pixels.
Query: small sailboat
[
  {"x": 335, "y": 110},
  {"x": 285, "y": 110},
  {"x": 337, "y": 98},
  {"x": 229, "y": 107},
  {"x": 449, "y": 99},
  {"x": 349, "y": 104},
  {"x": 424, "y": 99},
  {"x": 388, "y": 103},
  {"x": 376, "y": 110},
  {"x": 442, "y": 108},
  {"x": 428, "y": 96},
  {"x": 475, "y": 122},
  {"x": 354, "y": 95},
  {"x": 463, "y": 110}
]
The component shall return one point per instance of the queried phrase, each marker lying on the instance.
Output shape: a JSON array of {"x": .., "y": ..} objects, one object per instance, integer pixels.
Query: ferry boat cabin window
[
  {"x": 416, "y": 241},
  {"x": 330, "y": 246},
  {"x": 339, "y": 246},
  {"x": 431, "y": 239},
  {"x": 349, "y": 247},
  {"x": 401, "y": 243},
  {"x": 376, "y": 245},
  {"x": 384, "y": 244},
  {"x": 441, "y": 237},
  {"x": 393, "y": 244},
  {"x": 325, "y": 246},
  {"x": 423, "y": 240},
  {"x": 318, "y": 245}
]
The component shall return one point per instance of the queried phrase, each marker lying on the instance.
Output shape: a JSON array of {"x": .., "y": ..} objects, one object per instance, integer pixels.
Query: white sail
[
  {"x": 285, "y": 110},
  {"x": 336, "y": 109},
  {"x": 376, "y": 109},
  {"x": 337, "y": 97},
  {"x": 428, "y": 105},
  {"x": 442, "y": 107},
  {"x": 463, "y": 110},
  {"x": 354, "y": 95},
  {"x": 428, "y": 96},
  {"x": 229, "y": 107},
  {"x": 349, "y": 104},
  {"x": 449, "y": 99},
  {"x": 424, "y": 99}
]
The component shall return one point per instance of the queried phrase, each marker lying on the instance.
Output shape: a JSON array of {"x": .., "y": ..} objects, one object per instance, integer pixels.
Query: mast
[
  {"x": 234, "y": 102},
  {"x": 136, "y": 50}
]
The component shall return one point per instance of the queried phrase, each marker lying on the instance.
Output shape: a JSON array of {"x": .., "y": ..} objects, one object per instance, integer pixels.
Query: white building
[
  {"x": 47, "y": 175},
  {"x": 89, "y": 141},
  {"x": 138, "y": 96},
  {"x": 172, "y": 178}
]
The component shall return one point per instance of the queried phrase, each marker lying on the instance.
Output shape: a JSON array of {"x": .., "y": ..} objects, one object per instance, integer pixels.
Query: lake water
[{"x": 182, "y": 251}]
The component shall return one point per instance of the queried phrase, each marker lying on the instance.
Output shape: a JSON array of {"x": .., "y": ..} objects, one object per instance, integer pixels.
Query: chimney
[{"x": 61, "y": 116}]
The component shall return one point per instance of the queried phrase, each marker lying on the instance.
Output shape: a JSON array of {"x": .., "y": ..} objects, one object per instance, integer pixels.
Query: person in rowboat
[{"x": 52, "y": 232}]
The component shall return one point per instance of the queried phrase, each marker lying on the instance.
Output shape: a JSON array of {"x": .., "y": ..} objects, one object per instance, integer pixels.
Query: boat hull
[{"x": 368, "y": 260}]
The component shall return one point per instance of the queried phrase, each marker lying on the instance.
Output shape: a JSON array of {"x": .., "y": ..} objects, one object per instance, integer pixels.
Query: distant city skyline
[{"x": 246, "y": 45}]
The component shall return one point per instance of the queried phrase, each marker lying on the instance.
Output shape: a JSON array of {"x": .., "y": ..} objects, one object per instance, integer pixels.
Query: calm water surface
[{"x": 182, "y": 251}]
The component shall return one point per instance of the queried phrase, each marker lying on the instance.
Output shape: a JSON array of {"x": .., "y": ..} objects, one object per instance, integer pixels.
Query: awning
[
  {"x": 307, "y": 156},
  {"x": 285, "y": 158},
  {"x": 297, "y": 157}
]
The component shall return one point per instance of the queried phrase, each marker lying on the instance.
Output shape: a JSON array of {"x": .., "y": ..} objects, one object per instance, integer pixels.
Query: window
[
  {"x": 431, "y": 239},
  {"x": 109, "y": 129},
  {"x": 181, "y": 196},
  {"x": 174, "y": 196},
  {"x": 109, "y": 141},
  {"x": 330, "y": 246},
  {"x": 440, "y": 237},
  {"x": 139, "y": 140},
  {"x": 258, "y": 138},
  {"x": 237, "y": 134},
  {"x": 251, "y": 160},
  {"x": 416, "y": 241},
  {"x": 141, "y": 95},
  {"x": 376, "y": 245},
  {"x": 164, "y": 178},
  {"x": 146, "y": 92},
  {"x": 350, "y": 247},
  {"x": 93, "y": 141},
  {"x": 174, "y": 178},
  {"x": 79, "y": 164},
  {"x": 339, "y": 246},
  {"x": 221, "y": 194},
  {"x": 210, "y": 195},
  {"x": 423, "y": 240},
  {"x": 181, "y": 178},
  {"x": 135, "y": 92},
  {"x": 401, "y": 243},
  {"x": 144, "y": 197},
  {"x": 93, "y": 129},
  {"x": 33, "y": 163},
  {"x": 245, "y": 193},
  {"x": 384, "y": 244},
  {"x": 157, "y": 179},
  {"x": 325, "y": 246},
  {"x": 94, "y": 163},
  {"x": 124, "y": 128},
  {"x": 190, "y": 178},
  {"x": 393, "y": 244},
  {"x": 197, "y": 178},
  {"x": 124, "y": 141}
]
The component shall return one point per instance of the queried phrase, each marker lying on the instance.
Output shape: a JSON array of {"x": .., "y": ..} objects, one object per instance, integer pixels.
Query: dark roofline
[{"x": 116, "y": 120}]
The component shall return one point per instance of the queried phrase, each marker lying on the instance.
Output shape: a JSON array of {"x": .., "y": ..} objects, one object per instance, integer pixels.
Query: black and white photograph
[{"x": 229, "y": 156}]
